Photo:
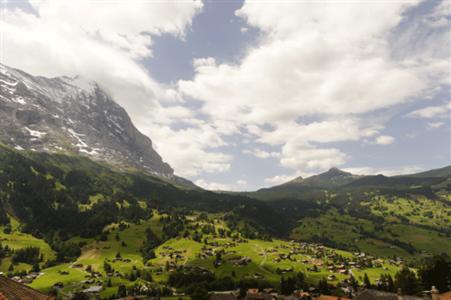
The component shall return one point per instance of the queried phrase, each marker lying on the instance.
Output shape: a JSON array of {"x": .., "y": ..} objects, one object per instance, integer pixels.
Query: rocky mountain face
[{"x": 72, "y": 115}]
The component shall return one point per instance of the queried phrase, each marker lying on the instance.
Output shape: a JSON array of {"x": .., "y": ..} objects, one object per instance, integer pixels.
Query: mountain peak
[
  {"x": 335, "y": 170},
  {"x": 72, "y": 115},
  {"x": 332, "y": 177}
]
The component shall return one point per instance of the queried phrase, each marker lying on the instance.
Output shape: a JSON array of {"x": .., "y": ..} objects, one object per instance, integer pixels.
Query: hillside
[
  {"x": 204, "y": 242},
  {"x": 441, "y": 172},
  {"x": 77, "y": 196},
  {"x": 407, "y": 215}
]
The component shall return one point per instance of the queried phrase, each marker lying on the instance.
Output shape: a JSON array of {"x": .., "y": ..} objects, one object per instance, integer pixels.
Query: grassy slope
[
  {"x": 416, "y": 220},
  {"x": 18, "y": 240},
  {"x": 263, "y": 262}
]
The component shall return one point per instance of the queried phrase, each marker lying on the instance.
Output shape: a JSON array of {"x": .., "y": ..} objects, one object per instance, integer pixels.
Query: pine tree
[
  {"x": 366, "y": 281},
  {"x": 407, "y": 281},
  {"x": 390, "y": 284}
]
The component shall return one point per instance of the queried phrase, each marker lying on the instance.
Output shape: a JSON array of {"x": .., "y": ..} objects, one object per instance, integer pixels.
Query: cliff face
[{"x": 72, "y": 115}]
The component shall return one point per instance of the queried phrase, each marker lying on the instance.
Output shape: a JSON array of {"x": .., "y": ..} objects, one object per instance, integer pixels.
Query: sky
[{"x": 239, "y": 95}]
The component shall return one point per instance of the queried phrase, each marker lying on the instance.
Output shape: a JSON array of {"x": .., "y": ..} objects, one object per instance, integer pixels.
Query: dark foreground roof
[
  {"x": 11, "y": 290},
  {"x": 380, "y": 295}
]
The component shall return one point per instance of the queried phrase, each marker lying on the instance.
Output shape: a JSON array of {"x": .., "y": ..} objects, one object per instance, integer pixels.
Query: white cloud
[
  {"x": 241, "y": 182},
  {"x": 316, "y": 73},
  {"x": 261, "y": 153},
  {"x": 213, "y": 186},
  {"x": 98, "y": 40},
  {"x": 190, "y": 150},
  {"x": 327, "y": 62},
  {"x": 279, "y": 179},
  {"x": 301, "y": 156},
  {"x": 319, "y": 64},
  {"x": 384, "y": 140},
  {"x": 385, "y": 171},
  {"x": 284, "y": 178},
  {"x": 216, "y": 186},
  {"x": 439, "y": 111},
  {"x": 333, "y": 130},
  {"x": 104, "y": 41},
  {"x": 435, "y": 125}
]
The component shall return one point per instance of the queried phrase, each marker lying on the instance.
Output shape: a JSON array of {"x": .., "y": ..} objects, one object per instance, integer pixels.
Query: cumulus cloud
[
  {"x": 315, "y": 74},
  {"x": 384, "y": 140},
  {"x": 216, "y": 186},
  {"x": 283, "y": 178},
  {"x": 104, "y": 41},
  {"x": 279, "y": 179},
  {"x": 439, "y": 111},
  {"x": 241, "y": 182},
  {"x": 301, "y": 156},
  {"x": 191, "y": 150},
  {"x": 213, "y": 186},
  {"x": 435, "y": 125},
  {"x": 261, "y": 153},
  {"x": 329, "y": 63},
  {"x": 98, "y": 40},
  {"x": 310, "y": 63}
]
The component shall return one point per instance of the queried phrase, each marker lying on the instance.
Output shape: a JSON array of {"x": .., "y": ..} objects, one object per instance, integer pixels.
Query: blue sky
[{"x": 243, "y": 94}]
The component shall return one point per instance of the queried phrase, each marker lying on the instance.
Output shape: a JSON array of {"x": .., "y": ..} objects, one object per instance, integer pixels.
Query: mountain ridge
[
  {"x": 334, "y": 178},
  {"x": 72, "y": 115}
]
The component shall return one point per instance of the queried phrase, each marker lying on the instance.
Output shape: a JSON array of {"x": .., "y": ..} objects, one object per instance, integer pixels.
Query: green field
[
  {"x": 264, "y": 257},
  {"x": 408, "y": 227}
]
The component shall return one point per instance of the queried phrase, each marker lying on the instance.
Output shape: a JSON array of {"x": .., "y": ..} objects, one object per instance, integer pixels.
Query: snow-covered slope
[{"x": 71, "y": 115}]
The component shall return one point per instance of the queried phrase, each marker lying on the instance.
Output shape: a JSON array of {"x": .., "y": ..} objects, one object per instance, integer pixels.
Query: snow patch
[
  {"x": 20, "y": 100},
  {"x": 35, "y": 133}
]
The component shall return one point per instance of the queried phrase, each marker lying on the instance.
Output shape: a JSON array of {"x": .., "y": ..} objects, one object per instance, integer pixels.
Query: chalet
[
  {"x": 93, "y": 290},
  {"x": 224, "y": 295},
  {"x": 327, "y": 297},
  {"x": 243, "y": 261},
  {"x": 255, "y": 294},
  {"x": 12, "y": 290}
]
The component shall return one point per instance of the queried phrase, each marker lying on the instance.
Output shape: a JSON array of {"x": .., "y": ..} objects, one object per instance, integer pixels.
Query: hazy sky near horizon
[{"x": 239, "y": 95}]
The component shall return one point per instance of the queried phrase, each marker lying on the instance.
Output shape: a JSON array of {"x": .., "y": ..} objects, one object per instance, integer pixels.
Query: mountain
[
  {"x": 395, "y": 182},
  {"x": 72, "y": 115},
  {"x": 336, "y": 179},
  {"x": 333, "y": 177},
  {"x": 441, "y": 172}
]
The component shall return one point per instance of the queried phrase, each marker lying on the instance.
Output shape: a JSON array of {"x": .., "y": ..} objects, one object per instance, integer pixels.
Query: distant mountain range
[
  {"x": 336, "y": 178},
  {"x": 72, "y": 115}
]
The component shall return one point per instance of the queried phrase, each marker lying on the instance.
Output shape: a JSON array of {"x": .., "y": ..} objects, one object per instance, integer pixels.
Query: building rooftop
[{"x": 12, "y": 290}]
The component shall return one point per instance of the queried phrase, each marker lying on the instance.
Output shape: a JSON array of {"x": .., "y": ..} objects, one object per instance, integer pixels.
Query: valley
[
  {"x": 206, "y": 244},
  {"x": 90, "y": 227}
]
